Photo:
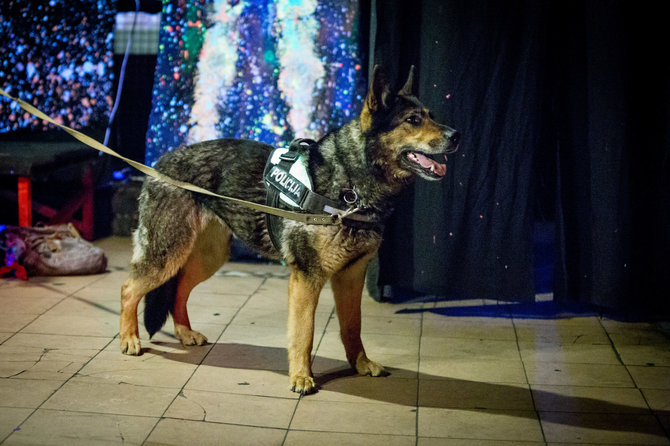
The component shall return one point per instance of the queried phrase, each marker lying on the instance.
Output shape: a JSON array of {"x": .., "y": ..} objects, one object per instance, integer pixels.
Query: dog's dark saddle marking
[{"x": 278, "y": 180}]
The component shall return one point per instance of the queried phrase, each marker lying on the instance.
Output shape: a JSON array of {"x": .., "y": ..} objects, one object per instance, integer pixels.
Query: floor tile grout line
[
  {"x": 222, "y": 423},
  {"x": 290, "y": 421},
  {"x": 22, "y": 328},
  {"x": 665, "y": 430},
  {"x": 241, "y": 307},
  {"x": 620, "y": 359},
  {"x": 530, "y": 389},
  {"x": 614, "y": 349},
  {"x": 57, "y": 389},
  {"x": 418, "y": 381},
  {"x": 181, "y": 389},
  {"x": 227, "y": 423},
  {"x": 102, "y": 276},
  {"x": 371, "y": 434}
]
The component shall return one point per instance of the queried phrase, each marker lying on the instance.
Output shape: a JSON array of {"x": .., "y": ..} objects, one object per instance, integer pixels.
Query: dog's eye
[{"x": 414, "y": 120}]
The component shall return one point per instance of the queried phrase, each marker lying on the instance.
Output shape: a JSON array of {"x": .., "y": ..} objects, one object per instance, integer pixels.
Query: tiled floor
[{"x": 455, "y": 380}]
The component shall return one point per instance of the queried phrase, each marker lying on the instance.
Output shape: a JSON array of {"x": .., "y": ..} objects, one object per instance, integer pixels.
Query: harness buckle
[
  {"x": 291, "y": 156},
  {"x": 295, "y": 149}
]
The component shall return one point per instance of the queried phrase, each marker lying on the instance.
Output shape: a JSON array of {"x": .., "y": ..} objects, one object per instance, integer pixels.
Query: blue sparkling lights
[{"x": 56, "y": 56}]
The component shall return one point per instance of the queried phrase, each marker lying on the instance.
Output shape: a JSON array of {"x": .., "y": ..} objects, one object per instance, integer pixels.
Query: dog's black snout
[{"x": 454, "y": 137}]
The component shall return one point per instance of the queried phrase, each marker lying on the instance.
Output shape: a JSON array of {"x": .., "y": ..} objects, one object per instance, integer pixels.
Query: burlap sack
[{"x": 55, "y": 250}]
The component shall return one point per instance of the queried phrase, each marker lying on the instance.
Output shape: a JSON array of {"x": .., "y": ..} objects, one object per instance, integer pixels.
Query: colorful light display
[
  {"x": 268, "y": 70},
  {"x": 57, "y": 56}
]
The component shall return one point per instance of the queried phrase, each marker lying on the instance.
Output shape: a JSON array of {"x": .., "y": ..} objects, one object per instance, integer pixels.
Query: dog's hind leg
[
  {"x": 133, "y": 290},
  {"x": 347, "y": 288},
  {"x": 303, "y": 297},
  {"x": 143, "y": 278},
  {"x": 210, "y": 251},
  {"x": 160, "y": 248}
]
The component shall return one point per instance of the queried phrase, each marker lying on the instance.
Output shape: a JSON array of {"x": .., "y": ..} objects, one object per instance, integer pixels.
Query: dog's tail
[{"x": 158, "y": 303}]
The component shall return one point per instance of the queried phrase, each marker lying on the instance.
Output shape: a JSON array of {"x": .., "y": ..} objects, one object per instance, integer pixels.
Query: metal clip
[
  {"x": 338, "y": 214},
  {"x": 349, "y": 196}
]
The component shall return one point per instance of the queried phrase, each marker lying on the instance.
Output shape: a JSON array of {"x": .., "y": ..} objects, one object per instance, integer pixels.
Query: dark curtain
[
  {"x": 469, "y": 235},
  {"x": 611, "y": 114},
  {"x": 563, "y": 108}
]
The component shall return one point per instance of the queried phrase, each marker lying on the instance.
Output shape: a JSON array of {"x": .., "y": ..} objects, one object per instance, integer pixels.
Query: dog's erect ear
[
  {"x": 379, "y": 97},
  {"x": 409, "y": 89}
]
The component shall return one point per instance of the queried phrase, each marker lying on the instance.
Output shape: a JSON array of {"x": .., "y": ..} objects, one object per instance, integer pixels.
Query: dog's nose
[{"x": 454, "y": 137}]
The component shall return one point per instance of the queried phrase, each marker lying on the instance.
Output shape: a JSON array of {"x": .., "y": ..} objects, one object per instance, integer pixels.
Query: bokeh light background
[
  {"x": 57, "y": 56},
  {"x": 268, "y": 70}
]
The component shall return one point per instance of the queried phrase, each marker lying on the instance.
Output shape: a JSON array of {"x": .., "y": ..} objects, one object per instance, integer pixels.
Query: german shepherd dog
[{"x": 183, "y": 238}]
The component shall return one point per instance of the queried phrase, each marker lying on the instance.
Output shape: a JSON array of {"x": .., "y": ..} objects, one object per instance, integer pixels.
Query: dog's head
[{"x": 403, "y": 138}]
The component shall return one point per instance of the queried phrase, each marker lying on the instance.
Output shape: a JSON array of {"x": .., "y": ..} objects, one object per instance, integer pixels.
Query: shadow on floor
[
  {"x": 532, "y": 310},
  {"x": 447, "y": 393},
  {"x": 539, "y": 310}
]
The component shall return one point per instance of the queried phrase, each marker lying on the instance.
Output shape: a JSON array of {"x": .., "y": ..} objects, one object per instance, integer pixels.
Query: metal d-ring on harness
[{"x": 285, "y": 190}]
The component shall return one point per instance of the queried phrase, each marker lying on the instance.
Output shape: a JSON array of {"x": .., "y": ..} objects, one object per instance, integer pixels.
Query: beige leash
[{"x": 311, "y": 219}]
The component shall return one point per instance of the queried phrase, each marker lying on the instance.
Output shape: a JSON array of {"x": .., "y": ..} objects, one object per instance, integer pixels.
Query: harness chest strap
[{"x": 282, "y": 186}]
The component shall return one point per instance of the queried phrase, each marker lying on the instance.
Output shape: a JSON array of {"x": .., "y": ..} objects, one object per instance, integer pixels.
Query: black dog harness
[{"x": 285, "y": 190}]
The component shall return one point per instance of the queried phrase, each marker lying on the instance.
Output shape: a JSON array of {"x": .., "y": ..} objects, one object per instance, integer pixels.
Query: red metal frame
[{"x": 84, "y": 201}]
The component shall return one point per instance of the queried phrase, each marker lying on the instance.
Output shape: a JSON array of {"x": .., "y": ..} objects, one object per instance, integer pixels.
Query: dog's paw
[
  {"x": 364, "y": 366},
  {"x": 188, "y": 336},
  {"x": 130, "y": 345},
  {"x": 303, "y": 385}
]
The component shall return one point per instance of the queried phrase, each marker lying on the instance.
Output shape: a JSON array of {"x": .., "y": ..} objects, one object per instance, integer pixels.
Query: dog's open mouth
[{"x": 425, "y": 165}]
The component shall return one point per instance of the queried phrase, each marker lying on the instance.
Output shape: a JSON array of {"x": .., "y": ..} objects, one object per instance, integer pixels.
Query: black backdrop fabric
[
  {"x": 611, "y": 114},
  {"x": 564, "y": 112}
]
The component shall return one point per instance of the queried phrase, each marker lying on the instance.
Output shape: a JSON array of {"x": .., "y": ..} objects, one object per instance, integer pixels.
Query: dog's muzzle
[
  {"x": 431, "y": 165},
  {"x": 453, "y": 138}
]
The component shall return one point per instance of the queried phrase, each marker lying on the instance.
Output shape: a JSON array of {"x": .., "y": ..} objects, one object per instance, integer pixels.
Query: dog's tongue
[{"x": 427, "y": 163}]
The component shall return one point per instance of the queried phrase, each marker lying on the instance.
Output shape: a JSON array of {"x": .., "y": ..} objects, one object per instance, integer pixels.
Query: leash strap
[{"x": 310, "y": 219}]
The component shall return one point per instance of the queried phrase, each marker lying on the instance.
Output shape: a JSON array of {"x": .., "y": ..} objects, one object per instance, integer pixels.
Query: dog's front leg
[
  {"x": 303, "y": 296},
  {"x": 348, "y": 288}
]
